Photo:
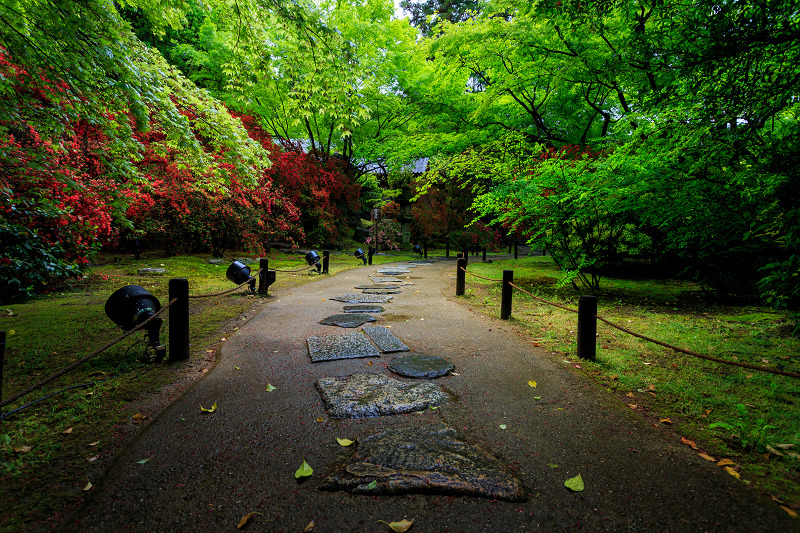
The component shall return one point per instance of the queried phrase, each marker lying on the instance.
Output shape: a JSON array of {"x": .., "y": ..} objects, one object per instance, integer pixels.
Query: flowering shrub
[{"x": 385, "y": 233}]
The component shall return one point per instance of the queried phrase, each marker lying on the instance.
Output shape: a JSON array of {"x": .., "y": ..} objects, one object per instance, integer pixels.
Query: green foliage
[{"x": 751, "y": 433}]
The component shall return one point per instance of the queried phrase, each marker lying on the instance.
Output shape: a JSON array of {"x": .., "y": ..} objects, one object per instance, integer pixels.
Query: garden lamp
[
  {"x": 312, "y": 258},
  {"x": 239, "y": 273},
  {"x": 130, "y": 306},
  {"x": 418, "y": 249},
  {"x": 361, "y": 255}
]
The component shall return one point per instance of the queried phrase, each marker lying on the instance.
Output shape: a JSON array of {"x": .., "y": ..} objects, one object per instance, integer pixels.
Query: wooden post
[
  {"x": 265, "y": 277},
  {"x": 505, "y": 294},
  {"x": 2, "y": 360},
  {"x": 179, "y": 320},
  {"x": 587, "y": 327},
  {"x": 425, "y": 249},
  {"x": 461, "y": 265},
  {"x": 484, "y": 254},
  {"x": 326, "y": 258}
]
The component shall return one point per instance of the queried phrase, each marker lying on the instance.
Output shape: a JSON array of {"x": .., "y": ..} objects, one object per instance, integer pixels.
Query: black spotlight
[
  {"x": 312, "y": 258},
  {"x": 361, "y": 255},
  {"x": 130, "y": 306},
  {"x": 239, "y": 273},
  {"x": 418, "y": 249}
]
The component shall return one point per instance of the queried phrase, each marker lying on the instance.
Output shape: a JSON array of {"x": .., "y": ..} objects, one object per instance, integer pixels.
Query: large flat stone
[
  {"x": 385, "y": 340},
  {"x": 347, "y": 320},
  {"x": 420, "y": 366},
  {"x": 364, "y": 395},
  {"x": 360, "y": 298},
  {"x": 363, "y": 308},
  {"x": 428, "y": 459},
  {"x": 393, "y": 271},
  {"x": 381, "y": 291},
  {"x": 385, "y": 279},
  {"x": 383, "y": 286},
  {"x": 343, "y": 346}
]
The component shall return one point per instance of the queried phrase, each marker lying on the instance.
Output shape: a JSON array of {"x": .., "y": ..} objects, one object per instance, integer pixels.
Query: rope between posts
[
  {"x": 74, "y": 365},
  {"x": 695, "y": 354},
  {"x": 543, "y": 300},
  {"x": 229, "y": 290},
  {"x": 477, "y": 276}
]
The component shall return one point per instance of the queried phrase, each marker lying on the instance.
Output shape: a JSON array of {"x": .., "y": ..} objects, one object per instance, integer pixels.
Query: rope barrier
[
  {"x": 74, "y": 365},
  {"x": 701, "y": 356},
  {"x": 543, "y": 300},
  {"x": 227, "y": 291},
  {"x": 477, "y": 276}
]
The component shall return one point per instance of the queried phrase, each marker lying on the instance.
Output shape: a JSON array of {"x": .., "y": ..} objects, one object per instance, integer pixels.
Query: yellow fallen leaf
[
  {"x": 665, "y": 421},
  {"x": 22, "y": 449},
  {"x": 689, "y": 443},
  {"x": 245, "y": 519},
  {"x": 344, "y": 442},
  {"x": 67, "y": 431},
  {"x": 88, "y": 486},
  {"x": 309, "y": 527},
  {"x": 320, "y": 419},
  {"x": 633, "y": 406},
  {"x": 95, "y": 443},
  {"x": 732, "y": 472},
  {"x": 532, "y": 383},
  {"x": 707, "y": 457},
  {"x": 137, "y": 418},
  {"x": 399, "y": 527},
  {"x": 213, "y": 408},
  {"x": 631, "y": 395},
  {"x": 789, "y": 510},
  {"x": 725, "y": 462}
]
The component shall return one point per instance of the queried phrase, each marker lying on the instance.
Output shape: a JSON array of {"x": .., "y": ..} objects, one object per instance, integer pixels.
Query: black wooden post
[
  {"x": 461, "y": 265},
  {"x": 505, "y": 294},
  {"x": 370, "y": 253},
  {"x": 484, "y": 254},
  {"x": 425, "y": 249},
  {"x": 179, "y": 320},
  {"x": 265, "y": 278},
  {"x": 587, "y": 327},
  {"x": 510, "y": 245},
  {"x": 2, "y": 360},
  {"x": 326, "y": 258}
]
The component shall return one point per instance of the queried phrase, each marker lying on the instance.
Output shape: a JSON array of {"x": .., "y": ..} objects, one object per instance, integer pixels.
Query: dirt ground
[{"x": 190, "y": 470}]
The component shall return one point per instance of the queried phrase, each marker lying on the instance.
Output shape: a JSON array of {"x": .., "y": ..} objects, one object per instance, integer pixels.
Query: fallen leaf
[
  {"x": 613, "y": 377},
  {"x": 532, "y": 383},
  {"x": 399, "y": 527},
  {"x": 725, "y": 462},
  {"x": 651, "y": 387},
  {"x": 369, "y": 363},
  {"x": 142, "y": 461},
  {"x": 309, "y": 527},
  {"x": 503, "y": 426},
  {"x": 707, "y": 457},
  {"x": 537, "y": 397},
  {"x": 749, "y": 376},
  {"x": 790, "y": 511},
  {"x": 213, "y": 408},
  {"x": 633, "y": 406},
  {"x": 344, "y": 442},
  {"x": 631, "y": 395},
  {"x": 773, "y": 451},
  {"x": 303, "y": 471},
  {"x": 732, "y": 472},
  {"x": 575, "y": 484},
  {"x": 688, "y": 442},
  {"x": 784, "y": 446},
  {"x": 92, "y": 458},
  {"x": 137, "y": 418},
  {"x": 95, "y": 443},
  {"x": 88, "y": 486},
  {"x": 270, "y": 388},
  {"x": 372, "y": 484},
  {"x": 67, "y": 431},
  {"x": 320, "y": 419},
  {"x": 552, "y": 465},
  {"x": 245, "y": 519},
  {"x": 22, "y": 449},
  {"x": 665, "y": 421}
]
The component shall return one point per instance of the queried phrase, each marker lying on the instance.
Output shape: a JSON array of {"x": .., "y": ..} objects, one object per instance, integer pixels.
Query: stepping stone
[
  {"x": 344, "y": 346},
  {"x": 363, "y": 308},
  {"x": 381, "y": 291},
  {"x": 347, "y": 320},
  {"x": 424, "y": 460},
  {"x": 363, "y": 395},
  {"x": 359, "y": 298},
  {"x": 385, "y": 279},
  {"x": 420, "y": 366},
  {"x": 152, "y": 271},
  {"x": 374, "y": 286},
  {"x": 387, "y": 342},
  {"x": 393, "y": 271}
]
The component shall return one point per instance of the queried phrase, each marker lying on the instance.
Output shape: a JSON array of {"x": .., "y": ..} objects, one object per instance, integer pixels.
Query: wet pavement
[{"x": 190, "y": 470}]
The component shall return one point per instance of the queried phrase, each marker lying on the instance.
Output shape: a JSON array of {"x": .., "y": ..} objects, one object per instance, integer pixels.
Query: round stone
[{"x": 420, "y": 366}]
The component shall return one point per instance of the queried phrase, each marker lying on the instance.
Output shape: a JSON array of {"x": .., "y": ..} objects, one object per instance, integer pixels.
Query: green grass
[
  {"x": 756, "y": 409},
  {"x": 52, "y": 331}
]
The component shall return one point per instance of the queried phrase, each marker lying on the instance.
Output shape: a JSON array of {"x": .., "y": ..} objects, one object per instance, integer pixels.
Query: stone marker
[
  {"x": 420, "y": 366},
  {"x": 363, "y": 395},
  {"x": 385, "y": 279},
  {"x": 428, "y": 459},
  {"x": 347, "y": 320},
  {"x": 363, "y": 308},
  {"x": 359, "y": 298},
  {"x": 344, "y": 346},
  {"x": 385, "y": 340}
]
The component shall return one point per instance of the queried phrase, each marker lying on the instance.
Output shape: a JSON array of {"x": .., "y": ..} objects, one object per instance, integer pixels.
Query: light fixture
[
  {"x": 361, "y": 255},
  {"x": 312, "y": 258},
  {"x": 130, "y": 306},
  {"x": 239, "y": 273},
  {"x": 418, "y": 249}
]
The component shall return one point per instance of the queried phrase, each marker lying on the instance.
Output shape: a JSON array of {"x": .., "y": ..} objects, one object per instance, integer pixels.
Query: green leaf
[
  {"x": 574, "y": 484},
  {"x": 303, "y": 471},
  {"x": 373, "y": 484},
  {"x": 270, "y": 388},
  {"x": 143, "y": 461},
  {"x": 344, "y": 442}
]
